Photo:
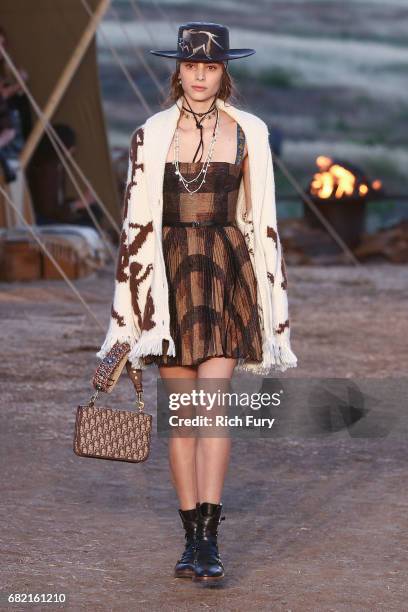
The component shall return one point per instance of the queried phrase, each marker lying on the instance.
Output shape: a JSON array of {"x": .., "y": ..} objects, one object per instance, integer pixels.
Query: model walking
[{"x": 209, "y": 296}]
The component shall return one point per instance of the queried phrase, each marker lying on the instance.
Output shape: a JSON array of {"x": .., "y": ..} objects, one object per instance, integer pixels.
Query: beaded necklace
[{"x": 206, "y": 163}]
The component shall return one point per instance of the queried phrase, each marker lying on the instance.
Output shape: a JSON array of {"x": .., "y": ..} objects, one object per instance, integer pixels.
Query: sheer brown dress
[{"x": 212, "y": 285}]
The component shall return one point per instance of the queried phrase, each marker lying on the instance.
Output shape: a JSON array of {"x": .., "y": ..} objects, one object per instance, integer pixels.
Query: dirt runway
[{"x": 312, "y": 524}]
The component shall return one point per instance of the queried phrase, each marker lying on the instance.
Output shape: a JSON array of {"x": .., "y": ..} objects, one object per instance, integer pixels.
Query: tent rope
[
  {"x": 45, "y": 249},
  {"x": 122, "y": 66},
  {"x": 137, "y": 51},
  {"x": 54, "y": 138},
  {"x": 139, "y": 15}
]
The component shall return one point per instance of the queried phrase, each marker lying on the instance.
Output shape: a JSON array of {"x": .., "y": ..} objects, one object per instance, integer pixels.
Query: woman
[
  {"x": 12, "y": 91},
  {"x": 47, "y": 179},
  {"x": 7, "y": 135},
  {"x": 209, "y": 295}
]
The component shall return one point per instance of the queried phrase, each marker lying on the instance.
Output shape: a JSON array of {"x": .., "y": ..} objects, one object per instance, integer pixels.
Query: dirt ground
[{"x": 312, "y": 524}]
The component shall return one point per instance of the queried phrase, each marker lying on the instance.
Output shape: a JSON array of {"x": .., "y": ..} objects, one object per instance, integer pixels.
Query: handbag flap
[{"x": 110, "y": 368}]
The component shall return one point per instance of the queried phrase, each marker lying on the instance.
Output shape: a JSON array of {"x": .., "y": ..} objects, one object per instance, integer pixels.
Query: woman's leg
[
  {"x": 182, "y": 449},
  {"x": 213, "y": 453}
]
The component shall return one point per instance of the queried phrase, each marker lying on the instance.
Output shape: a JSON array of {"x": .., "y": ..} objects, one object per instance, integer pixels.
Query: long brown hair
[{"x": 228, "y": 91}]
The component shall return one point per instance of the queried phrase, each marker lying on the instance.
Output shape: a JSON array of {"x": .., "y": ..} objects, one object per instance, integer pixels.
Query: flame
[
  {"x": 324, "y": 162},
  {"x": 335, "y": 181}
]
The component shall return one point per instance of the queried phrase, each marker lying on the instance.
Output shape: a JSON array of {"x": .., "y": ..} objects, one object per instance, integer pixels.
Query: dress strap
[{"x": 240, "y": 144}]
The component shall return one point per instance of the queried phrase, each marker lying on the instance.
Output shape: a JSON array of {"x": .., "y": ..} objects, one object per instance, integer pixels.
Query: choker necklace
[
  {"x": 190, "y": 115},
  {"x": 199, "y": 125}
]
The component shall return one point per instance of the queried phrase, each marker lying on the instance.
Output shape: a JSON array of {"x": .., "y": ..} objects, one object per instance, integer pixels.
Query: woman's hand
[
  {"x": 79, "y": 204},
  {"x": 6, "y": 136}
]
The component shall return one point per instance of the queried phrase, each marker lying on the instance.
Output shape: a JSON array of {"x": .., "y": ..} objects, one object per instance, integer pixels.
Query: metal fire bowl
[{"x": 346, "y": 215}]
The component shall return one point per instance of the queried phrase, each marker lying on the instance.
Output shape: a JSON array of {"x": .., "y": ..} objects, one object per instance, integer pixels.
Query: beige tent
[{"x": 53, "y": 40}]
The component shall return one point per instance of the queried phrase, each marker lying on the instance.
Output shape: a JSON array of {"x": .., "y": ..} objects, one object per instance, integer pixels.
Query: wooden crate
[
  {"x": 21, "y": 260},
  {"x": 68, "y": 258}
]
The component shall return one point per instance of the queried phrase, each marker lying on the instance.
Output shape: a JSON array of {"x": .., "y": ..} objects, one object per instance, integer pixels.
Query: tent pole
[{"x": 64, "y": 81}]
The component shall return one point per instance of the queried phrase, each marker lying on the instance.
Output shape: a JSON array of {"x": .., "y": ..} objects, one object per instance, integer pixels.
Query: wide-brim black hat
[{"x": 200, "y": 41}]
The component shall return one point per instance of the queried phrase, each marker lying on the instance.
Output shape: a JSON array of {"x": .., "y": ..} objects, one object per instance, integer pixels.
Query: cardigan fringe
[
  {"x": 151, "y": 343},
  {"x": 148, "y": 344},
  {"x": 275, "y": 358}
]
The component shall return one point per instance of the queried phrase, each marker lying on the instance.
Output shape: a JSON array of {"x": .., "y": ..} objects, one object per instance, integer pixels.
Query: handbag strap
[
  {"x": 109, "y": 370},
  {"x": 135, "y": 375}
]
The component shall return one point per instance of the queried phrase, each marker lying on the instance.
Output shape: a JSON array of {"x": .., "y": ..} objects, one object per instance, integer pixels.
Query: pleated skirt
[{"x": 212, "y": 296}]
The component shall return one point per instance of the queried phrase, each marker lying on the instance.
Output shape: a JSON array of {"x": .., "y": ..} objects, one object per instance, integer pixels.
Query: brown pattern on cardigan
[
  {"x": 282, "y": 326},
  {"x": 284, "y": 283},
  {"x": 148, "y": 322},
  {"x": 270, "y": 232},
  {"x": 126, "y": 250},
  {"x": 123, "y": 258},
  {"x": 127, "y": 198},
  {"x": 144, "y": 321},
  {"x": 119, "y": 319},
  {"x": 248, "y": 236},
  {"x": 139, "y": 240},
  {"x": 136, "y": 142}
]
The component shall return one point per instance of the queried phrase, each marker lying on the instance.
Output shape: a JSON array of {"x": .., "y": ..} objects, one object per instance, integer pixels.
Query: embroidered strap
[{"x": 240, "y": 144}]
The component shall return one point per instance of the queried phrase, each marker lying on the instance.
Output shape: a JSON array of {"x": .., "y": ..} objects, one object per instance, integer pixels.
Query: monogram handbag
[{"x": 106, "y": 433}]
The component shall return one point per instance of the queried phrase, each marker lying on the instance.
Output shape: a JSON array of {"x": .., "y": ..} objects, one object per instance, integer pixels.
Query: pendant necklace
[{"x": 204, "y": 168}]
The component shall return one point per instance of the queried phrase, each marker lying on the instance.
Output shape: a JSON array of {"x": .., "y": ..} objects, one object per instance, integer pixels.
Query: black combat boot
[
  {"x": 208, "y": 566},
  {"x": 185, "y": 565}
]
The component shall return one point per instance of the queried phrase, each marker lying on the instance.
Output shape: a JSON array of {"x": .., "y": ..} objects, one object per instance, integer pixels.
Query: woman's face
[{"x": 207, "y": 76}]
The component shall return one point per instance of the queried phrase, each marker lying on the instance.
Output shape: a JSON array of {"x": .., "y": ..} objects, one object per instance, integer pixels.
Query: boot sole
[
  {"x": 208, "y": 578},
  {"x": 185, "y": 574}
]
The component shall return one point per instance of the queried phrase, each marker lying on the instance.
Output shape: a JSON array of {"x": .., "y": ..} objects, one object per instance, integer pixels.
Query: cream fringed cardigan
[{"x": 140, "y": 311}]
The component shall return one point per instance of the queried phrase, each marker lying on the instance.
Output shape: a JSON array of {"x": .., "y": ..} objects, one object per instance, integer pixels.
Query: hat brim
[{"x": 228, "y": 55}]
